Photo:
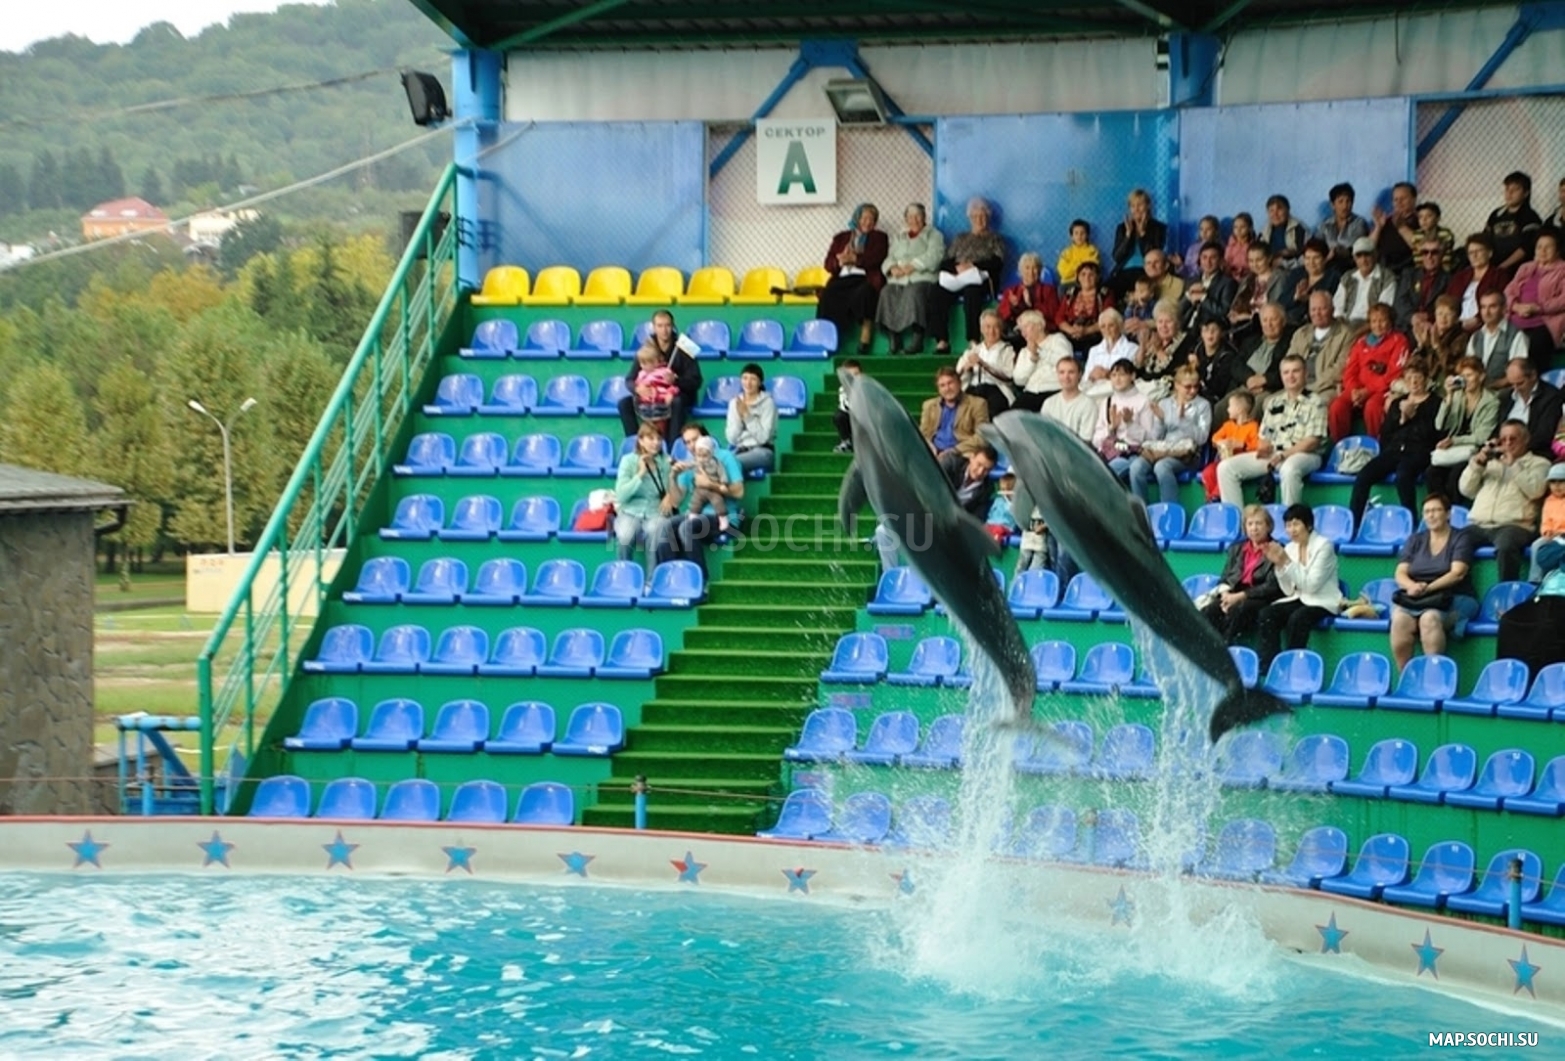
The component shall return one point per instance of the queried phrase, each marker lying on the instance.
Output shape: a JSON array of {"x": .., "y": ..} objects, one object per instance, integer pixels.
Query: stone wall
[{"x": 46, "y": 693}]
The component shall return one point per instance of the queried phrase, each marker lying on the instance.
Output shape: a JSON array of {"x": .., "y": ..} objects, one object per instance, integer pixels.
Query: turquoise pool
[{"x": 260, "y": 967}]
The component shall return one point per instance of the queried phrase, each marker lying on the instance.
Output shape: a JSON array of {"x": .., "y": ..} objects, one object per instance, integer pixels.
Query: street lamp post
[{"x": 228, "y": 457}]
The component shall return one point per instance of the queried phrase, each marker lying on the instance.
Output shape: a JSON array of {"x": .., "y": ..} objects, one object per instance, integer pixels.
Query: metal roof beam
[
  {"x": 549, "y": 28},
  {"x": 1225, "y": 16},
  {"x": 1162, "y": 19},
  {"x": 435, "y": 12}
]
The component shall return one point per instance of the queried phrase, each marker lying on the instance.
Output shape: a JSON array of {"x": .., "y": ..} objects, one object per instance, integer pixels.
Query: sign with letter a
[{"x": 796, "y": 161}]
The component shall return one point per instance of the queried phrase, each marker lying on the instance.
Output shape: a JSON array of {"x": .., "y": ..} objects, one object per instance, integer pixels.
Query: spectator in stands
[
  {"x": 1374, "y": 364},
  {"x": 1537, "y": 299},
  {"x": 1185, "y": 423},
  {"x": 1070, "y": 406},
  {"x": 1139, "y": 233},
  {"x": 1417, "y": 288},
  {"x": 950, "y": 420},
  {"x": 1159, "y": 354},
  {"x": 1126, "y": 421},
  {"x": 968, "y": 476},
  {"x": 1261, "y": 351},
  {"x": 655, "y": 390},
  {"x": 1035, "y": 379},
  {"x": 644, "y": 498},
  {"x": 1031, "y": 292},
  {"x": 912, "y": 262},
  {"x": 1211, "y": 291},
  {"x": 1077, "y": 252},
  {"x": 1137, "y": 308},
  {"x": 708, "y": 469},
  {"x": 1556, "y": 220},
  {"x": 1434, "y": 584},
  {"x": 1324, "y": 344},
  {"x": 691, "y": 532},
  {"x": 1078, "y": 317},
  {"x": 1506, "y": 483},
  {"x": 1513, "y": 224},
  {"x": 987, "y": 364},
  {"x": 1551, "y": 523},
  {"x": 1343, "y": 229},
  {"x": 1214, "y": 358},
  {"x": 1430, "y": 230},
  {"x": 1313, "y": 273},
  {"x": 1248, "y": 582},
  {"x": 1307, "y": 576},
  {"x": 751, "y": 429},
  {"x": 1476, "y": 279},
  {"x": 1497, "y": 342},
  {"x": 1293, "y": 438},
  {"x": 678, "y": 353},
  {"x": 1165, "y": 282},
  {"x": 1208, "y": 230},
  {"x": 1467, "y": 419},
  {"x": 1240, "y": 433},
  {"x": 1283, "y": 234},
  {"x": 840, "y": 419},
  {"x": 970, "y": 274},
  {"x": 1113, "y": 347},
  {"x": 854, "y": 261},
  {"x": 1396, "y": 233},
  {"x": 1262, "y": 284},
  {"x": 1407, "y": 438},
  {"x": 1440, "y": 340},
  {"x": 1534, "y": 402},
  {"x": 1241, "y": 237},
  {"x": 1366, "y": 285}
]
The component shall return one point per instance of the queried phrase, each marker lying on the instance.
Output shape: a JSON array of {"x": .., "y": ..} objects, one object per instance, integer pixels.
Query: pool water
[{"x": 249, "y": 967}]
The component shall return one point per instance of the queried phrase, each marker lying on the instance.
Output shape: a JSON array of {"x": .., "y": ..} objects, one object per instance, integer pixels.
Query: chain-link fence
[{"x": 1490, "y": 138}]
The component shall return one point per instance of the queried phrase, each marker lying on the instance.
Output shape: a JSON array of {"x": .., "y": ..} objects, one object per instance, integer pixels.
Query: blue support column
[
  {"x": 1193, "y": 61},
  {"x": 475, "y": 85}
]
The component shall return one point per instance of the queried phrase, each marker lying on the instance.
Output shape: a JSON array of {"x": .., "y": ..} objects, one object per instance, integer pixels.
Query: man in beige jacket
[
  {"x": 1507, "y": 484},
  {"x": 950, "y": 420},
  {"x": 1324, "y": 343}
]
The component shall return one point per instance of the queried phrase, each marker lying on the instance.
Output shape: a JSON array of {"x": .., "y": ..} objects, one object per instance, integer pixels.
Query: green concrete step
[
  {"x": 787, "y": 639},
  {"x": 818, "y": 504},
  {"x": 756, "y": 766},
  {"x": 727, "y": 713},
  {"x": 687, "y": 792},
  {"x": 852, "y": 561},
  {"x": 795, "y": 483},
  {"x": 815, "y": 463},
  {"x": 765, "y": 616},
  {"x": 729, "y": 818},
  {"x": 782, "y": 595},
  {"x": 726, "y": 689},
  {"x": 746, "y": 662},
  {"x": 713, "y": 740}
]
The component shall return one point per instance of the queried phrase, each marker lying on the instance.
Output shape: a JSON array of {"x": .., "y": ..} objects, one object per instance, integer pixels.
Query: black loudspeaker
[{"x": 425, "y": 97}]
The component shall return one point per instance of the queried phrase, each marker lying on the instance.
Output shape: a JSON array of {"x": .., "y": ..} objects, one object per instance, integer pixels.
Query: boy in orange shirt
[{"x": 1241, "y": 434}]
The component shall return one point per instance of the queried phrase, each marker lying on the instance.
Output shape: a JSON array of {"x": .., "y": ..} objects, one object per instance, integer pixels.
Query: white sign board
[{"x": 796, "y": 161}]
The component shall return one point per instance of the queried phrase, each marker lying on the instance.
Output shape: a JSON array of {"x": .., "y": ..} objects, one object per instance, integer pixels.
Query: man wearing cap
[
  {"x": 1551, "y": 524},
  {"x": 1365, "y": 285},
  {"x": 1506, "y": 483}
]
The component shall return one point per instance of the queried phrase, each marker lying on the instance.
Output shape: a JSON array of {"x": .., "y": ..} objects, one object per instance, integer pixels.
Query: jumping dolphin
[
  {"x": 894, "y": 468},
  {"x": 1107, "y": 533}
]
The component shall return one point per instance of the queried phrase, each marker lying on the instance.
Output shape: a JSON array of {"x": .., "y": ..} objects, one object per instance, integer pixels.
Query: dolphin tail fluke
[{"x": 1242, "y": 707}]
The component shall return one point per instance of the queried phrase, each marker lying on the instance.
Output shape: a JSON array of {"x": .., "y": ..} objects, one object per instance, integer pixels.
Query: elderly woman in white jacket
[
  {"x": 1307, "y": 572},
  {"x": 1035, "y": 377},
  {"x": 986, "y": 366}
]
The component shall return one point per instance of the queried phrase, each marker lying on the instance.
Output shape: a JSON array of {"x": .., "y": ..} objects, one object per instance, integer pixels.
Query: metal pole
[
  {"x": 638, "y": 788},
  {"x": 228, "y": 483},
  {"x": 1513, "y": 909}
]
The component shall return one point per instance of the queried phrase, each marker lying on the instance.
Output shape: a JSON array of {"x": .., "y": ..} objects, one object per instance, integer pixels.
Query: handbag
[
  {"x": 1439, "y": 601},
  {"x": 1452, "y": 456}
]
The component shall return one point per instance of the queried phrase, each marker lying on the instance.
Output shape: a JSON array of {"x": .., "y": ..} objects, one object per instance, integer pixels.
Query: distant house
[
  {"x": 121, "y": 216},
  {"x": 211, "y": 226}
]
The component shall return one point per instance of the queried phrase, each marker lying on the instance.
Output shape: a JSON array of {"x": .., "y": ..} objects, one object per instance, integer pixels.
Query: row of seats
[
  {"x": 487, "y": 453},
  {"x": 659, "y": 285},
  {"x": 462, "y": 394},
  {"x": 413, "y": 800},
  {"x": 519, "y": 652},
  {"x": 549, "y": 340},
  {"x": 1215, "y": 526},
  {"x": 1362, "y": 680},
  {"x": 558, "y": 583},
  {"x": 461, "y": 726},
  {"x": 478, "y": 517}
]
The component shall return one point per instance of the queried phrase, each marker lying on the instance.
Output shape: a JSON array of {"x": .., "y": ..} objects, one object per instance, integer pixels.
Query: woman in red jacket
[
  {"x": 1374, "y": 363},
  {"x": 854, "y": 259}
]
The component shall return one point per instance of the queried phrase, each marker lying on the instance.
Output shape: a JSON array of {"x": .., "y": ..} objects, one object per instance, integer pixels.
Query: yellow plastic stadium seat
[
  {"x": 660, "y": 285},
  {"x": 607, "y": 285},
  {"x": 504, "y": 285},
  {"x": 556, "y": 286},
  {"x": 813, "y": 276},
  {"x": 756, "y": 290},
  {"x": 712, "y": 286}
]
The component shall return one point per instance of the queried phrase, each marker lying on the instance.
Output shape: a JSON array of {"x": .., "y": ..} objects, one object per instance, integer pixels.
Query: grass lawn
[{"x": 155, "y": 581}]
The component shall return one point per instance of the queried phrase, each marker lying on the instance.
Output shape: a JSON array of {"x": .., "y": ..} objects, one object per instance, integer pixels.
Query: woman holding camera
[
  {"x": 1466, "y": 420},
  {"x": 1407, "y": 438},
  {"x": 1434, "y": 583}
]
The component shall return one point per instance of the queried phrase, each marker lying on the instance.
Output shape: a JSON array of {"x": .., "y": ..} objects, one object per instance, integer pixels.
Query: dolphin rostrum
[
  {"x": 894, "y": 468},
  {"x": 1107, "y": 533}
]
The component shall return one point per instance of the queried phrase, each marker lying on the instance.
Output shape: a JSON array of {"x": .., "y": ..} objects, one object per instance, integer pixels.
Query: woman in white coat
[{"x": 1307, "y": 573}]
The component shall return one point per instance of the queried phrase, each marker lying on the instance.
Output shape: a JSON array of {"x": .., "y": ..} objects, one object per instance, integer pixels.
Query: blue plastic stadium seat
[
  {"x": 674, "y": 584},
  {"x": 344, "y": 650},
  {"x": 759, "y": 339},
  {"x": 1382, "y": 533},
  {"x": 1379, "y": 591},
  {"x": 1332, "y": 471},
  {"x": 526, "y": 728},
  {"x": 1213, "y": 528},
  {"x": 1450, "y": 768},
  {"x": 347, "y": 799},
  {"x": 588, "y": 457},
  {"x": 459, "y": 651},
  {"x": 829, "y": 733},
  {"x": 593, "y": 729},
  {"x": 1382, "y": 862},
  {"x": 892, "y": 735},
  {"x": 1082, "y": 601},
  {"x": 1501, "y": 598},
  {"x": 394, "y": 726},
  {"x": 615, "y": 584},
  {"x": 1545, "y": 700},
  {"x": 1548, "y": 799},
  {"x": 713, "y": 337},
  {"x": 1048, "y": 832},
  {"x": 1167, "y": 521},
  {"x": 1360, "y": 679},
  {"x": 1125, "y": 754},
  {"x": 494, "y": 339},
  {"x": 517, "y": 653},
  {"x": 633, "y": 654},
  {"x": 1054, "y": 663},
  {"x": 1550, "y": 910},
  {"x": 1493, "y": 894},
  {"x": 597, "y": 341},
  {"x": 329, "y": 724},
  {"x": 534, "y": 456},
  {"x": 533, "y": 519},
  {"x": 441, "y": 580},
  {"x": 558, "y": 583},
  {"x": 402, "y": 648},
  {"x": 790, "y": 394},
  {"x": 805, "y": 813},
  {"x": 1334, "y": 523},
  {"x": 475, "y": 519},
  {"x": 546, "y": 803},
  {"x": 864, "y": 818},
  {"x": 1507, "y": 775},
  {"x": 1247, "y": 663},
  {"x": 480, "y": 456},
  {"x": 859, "y": 659},
  {"x": 460, "y": 726},
  {"x": 922, "y": 822},
  {"x": 1296, "y": 675},
  {"x": 429, "y": 453},
  {"x": 480, "y": 802},
  {"x": 1446, "y": 870},
  {"x": 499, "y": 582},
  {"x": 577, "y": 653},
  {"x": 1064, "y": 747},
  {"x": 1249, "y": 758},
  {"x": 282, "y": 796},
  {"x": 564, "y": 395},
  {"x": 417, "y": 518},
  {"x": 513, "y": 394},
  {"x": 1117, "y": 839},
  {"x": 1033, "y": 591},
  {"x": 1392, "y": 761},
  {"x": 545, "y": 340},
  {"x": 1426, "y": 682},
  {"x": 414, "y": 799},
  {"x": 1315, "y": 763},
  {"x": 1106, "y": 667},
  {"x": 456, "y": 395},
  {"x": 1245, "y": 849},
  {"x": 935, "y": 661},
  {"x": 1199, "y": 584},
  {"x": 942, "y": 745},
  {"x": 813, "y": 339},
  {"x": 901, "y": 591},
  {"x": 382, "y": 580},
  {"x": 719, "y": 392},
  {"x": 1322, "y": 854}
]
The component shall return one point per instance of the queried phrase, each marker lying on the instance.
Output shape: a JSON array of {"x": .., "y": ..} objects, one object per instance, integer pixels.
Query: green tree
[
  {"x": 45, "y": 424},
  {"x": 151, "y": 188},
  {"x": 132, "y": 450},
  {"x": 43, "y": 185},
  {"x": 110, "y": 178},
  {"x": 337, "y": 306},
  {"x": 13, "y": 191},
  {"x": 261, "y": 234}
]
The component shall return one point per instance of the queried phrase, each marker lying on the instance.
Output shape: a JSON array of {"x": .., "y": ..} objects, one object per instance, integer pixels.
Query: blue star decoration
[
  {"x": 215, "y": 850},
  {"x": 339, "y": 852},
  {"x": 576, "y": 863},
  {"x": 1331, "y": 936},
  {"x": 1120, "y": 908},
  {"x": 458, "y": 858},
  {"x": 798, "y": 879},
  {"x": 904, "y": 882},
  {"x": 1525, "y": 971},
  {"x": 1428, "y": 954},
  {"x": 87, "y": 850},
  {"x": 689, "y": 868}
]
